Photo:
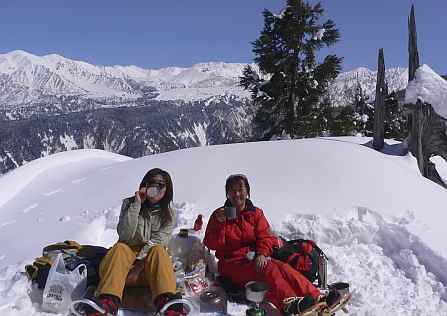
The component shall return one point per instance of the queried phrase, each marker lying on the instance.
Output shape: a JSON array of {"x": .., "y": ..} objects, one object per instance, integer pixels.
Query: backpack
[
  {"x": 74, "y": 255},
  {"x": 303, "y": 255}
]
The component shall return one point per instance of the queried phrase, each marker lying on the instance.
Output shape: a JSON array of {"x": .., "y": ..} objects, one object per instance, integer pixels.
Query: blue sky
[{"x": 160, "y": 33}]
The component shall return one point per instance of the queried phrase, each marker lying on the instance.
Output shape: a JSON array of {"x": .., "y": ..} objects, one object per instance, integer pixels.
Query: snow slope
[{"x": 379, "y": 221}]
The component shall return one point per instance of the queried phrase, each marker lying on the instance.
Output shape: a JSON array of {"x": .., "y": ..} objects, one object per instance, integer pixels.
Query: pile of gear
[{"x": 67, "y": 272}]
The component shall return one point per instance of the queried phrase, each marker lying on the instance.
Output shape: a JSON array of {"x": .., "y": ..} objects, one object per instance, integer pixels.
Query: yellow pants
[{"x": 158, "y": 270}]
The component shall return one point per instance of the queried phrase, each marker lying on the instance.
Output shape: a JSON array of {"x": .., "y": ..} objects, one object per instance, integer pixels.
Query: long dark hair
[{"x": 169, "y": 193}]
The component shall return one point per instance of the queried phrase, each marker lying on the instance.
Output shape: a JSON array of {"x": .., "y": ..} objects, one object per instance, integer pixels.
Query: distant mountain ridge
[
  {"x": 342, "y": 89},
  {"x": 50, "y": 104},
  {"x": 27, "y": 80},
  {"x": 155, "y": 127}
]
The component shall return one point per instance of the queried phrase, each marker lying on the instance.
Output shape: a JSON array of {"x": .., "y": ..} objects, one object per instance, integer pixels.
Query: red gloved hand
[{"x": 198, "y": 223}]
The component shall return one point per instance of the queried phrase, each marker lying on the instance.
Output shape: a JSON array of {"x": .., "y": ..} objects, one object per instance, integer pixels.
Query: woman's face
[
  {"x": 156, "y": 189},
  {"x": 237, "y": 194}
]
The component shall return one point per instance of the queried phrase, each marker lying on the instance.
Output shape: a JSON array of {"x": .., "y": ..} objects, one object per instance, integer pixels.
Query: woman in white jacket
[{"x": 145, "y": 226}]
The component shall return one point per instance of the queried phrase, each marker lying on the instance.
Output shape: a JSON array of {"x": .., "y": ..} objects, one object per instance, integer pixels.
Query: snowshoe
[
  {"x": 185, "y": 302},
  {"x": 341, "y": 305},
  {"x": 80, "y": 307},
  {"x": 300, "y": 306}
]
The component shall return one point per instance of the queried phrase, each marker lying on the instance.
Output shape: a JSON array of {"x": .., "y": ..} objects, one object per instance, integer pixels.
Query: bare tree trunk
[
  {"x": 292, "y": 112},
  {"x": 420, "y": 128},
  {"x": 427, "y": 131},
  {"x": 415, "y": 113},
  {"x": 379, "y": 108},
  {"x": 413, "y": 61},
  {"x": 291, "y": 121}
]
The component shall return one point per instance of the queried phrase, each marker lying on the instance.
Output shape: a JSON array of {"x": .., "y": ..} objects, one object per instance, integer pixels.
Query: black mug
[{"x": 230, "y": 212}]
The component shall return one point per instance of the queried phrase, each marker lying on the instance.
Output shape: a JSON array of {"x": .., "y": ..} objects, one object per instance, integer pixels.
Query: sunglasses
[{"x": 159, "y": 185}]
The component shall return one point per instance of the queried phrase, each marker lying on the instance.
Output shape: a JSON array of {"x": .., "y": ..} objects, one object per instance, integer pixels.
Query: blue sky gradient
[{"x": 160, "y": 33}]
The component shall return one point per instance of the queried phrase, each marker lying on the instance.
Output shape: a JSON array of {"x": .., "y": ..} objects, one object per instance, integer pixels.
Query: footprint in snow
[
  {"x": 29, "y": 208},
  {"x": 65, "y": 219},
  {"x": 52, "y": 192},
  {"x": 7, "y": 223},
  {"x": 78, "y": 180},
  {"x": 5, "y": 306}
]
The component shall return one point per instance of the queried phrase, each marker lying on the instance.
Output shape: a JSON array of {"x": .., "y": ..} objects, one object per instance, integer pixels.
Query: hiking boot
[
  {"x": 298, "y": 305},
  {"x": 109, "y": 303},
  {"x": 173, "y": 310}
]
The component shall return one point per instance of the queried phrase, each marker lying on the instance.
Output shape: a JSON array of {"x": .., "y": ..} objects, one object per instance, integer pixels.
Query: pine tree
[
  {"x": 395, "y": 119},
  {"x": 291, "y": 81},
  {"x": 343, "y": 121},
  {"x": 363, "y": 112}
]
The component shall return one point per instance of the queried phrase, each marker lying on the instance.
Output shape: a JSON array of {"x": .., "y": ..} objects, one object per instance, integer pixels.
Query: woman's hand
[
  {"x": 261, "y": 262},
  {"x": 140, "y": 195},
  {"x": 220, "y": 215}
]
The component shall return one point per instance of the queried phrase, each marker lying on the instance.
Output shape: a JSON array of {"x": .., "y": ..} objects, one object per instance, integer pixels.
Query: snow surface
[
  {"x": 378, "y": 220},
  {"x": 17, "y": 180},
  {"x": 429, "y": 87},
  {"x": 441, "y": 167}
]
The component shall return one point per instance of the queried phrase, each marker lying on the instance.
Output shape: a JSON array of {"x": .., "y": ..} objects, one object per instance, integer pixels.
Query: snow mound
[
  {"x": 16, "y": 180},
  {"x": 378, "y": 220},
  {"x": 429, "y": 87},
  {"x": 391, "y": 272}
]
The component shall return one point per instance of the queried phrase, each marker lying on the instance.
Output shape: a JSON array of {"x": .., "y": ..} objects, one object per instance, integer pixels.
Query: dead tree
[
  {"x": 427, "y": 130},
  {"x": 413, "y": 54},
  {"x": 379, "y": 107}
]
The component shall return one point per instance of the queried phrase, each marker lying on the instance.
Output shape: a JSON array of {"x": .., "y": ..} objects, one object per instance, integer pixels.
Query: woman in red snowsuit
[{"x": 250, "y": 232}]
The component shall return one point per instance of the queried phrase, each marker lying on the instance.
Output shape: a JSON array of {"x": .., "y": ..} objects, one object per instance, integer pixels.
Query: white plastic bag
[{"x": 62, "y": 284}]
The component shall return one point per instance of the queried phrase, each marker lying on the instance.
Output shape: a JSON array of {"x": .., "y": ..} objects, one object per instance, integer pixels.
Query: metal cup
[
  {"x": 255, "y": 291},
  {"x": 230, "y": 212},
  {"x": 152, "y": 191}
]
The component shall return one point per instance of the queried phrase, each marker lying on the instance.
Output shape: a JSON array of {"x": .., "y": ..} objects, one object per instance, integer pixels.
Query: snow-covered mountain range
[
  {"x": 50, "y": 104},
  {"x": 342, "y": 89},
  {"x": 27, "y": 79}
]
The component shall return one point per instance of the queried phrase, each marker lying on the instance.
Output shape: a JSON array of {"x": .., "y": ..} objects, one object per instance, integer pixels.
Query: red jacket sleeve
[
  {"x": 265, "y": 240},
  {"x": 215, "y": 234}
]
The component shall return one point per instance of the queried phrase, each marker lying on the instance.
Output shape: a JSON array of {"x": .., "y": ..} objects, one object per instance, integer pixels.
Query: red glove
[{"x": 198, "y": 223}]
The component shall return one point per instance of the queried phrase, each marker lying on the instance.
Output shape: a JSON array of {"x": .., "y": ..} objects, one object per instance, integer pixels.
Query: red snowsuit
[{"x": 250, "y": 231}]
